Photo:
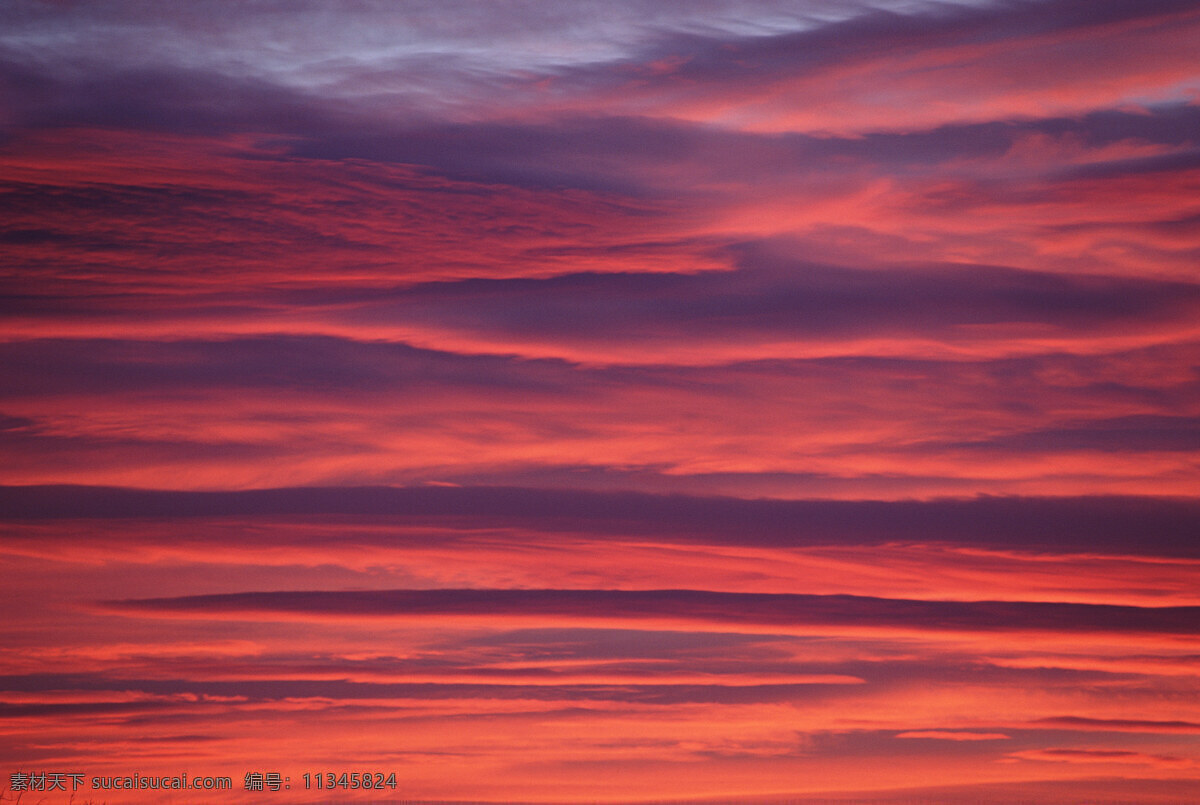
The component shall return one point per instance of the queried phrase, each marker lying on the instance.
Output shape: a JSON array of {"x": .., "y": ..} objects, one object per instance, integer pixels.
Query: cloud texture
[{"x": 624, "y": 401}]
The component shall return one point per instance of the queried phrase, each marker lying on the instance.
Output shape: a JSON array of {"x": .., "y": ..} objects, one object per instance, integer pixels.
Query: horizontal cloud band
[
  {"x": 1097, "y": 524},
  {"x": 774, "y": 610}
]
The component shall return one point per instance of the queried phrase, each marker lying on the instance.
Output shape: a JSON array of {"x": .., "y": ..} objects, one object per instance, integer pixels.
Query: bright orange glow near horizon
[{"x": 718, "y": 402}]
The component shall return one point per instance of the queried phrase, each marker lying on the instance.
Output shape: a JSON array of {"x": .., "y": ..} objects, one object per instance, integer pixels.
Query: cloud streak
[
  {"x": 775, "y": 611},
  {"x": 1150, "y": 526}
]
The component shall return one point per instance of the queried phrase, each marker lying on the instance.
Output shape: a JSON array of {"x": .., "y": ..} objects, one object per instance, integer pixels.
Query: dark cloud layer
[
  {"x": 274, "y": 678},
  {"x": 713, "y": 607},
  {"x": 1130, "y": 433},
  {"x": 1154, "y": 526},
  {"x": 647, "y": 156},
  {"x": 1117, "y": 724},
  {"x": 313, "y": 364},
  {"x": 782, "y": 298},
  {"x": 273, "y": 689}
]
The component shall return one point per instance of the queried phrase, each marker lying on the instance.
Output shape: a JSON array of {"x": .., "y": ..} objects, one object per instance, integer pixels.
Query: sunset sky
[{"x": 602, "y": 401}]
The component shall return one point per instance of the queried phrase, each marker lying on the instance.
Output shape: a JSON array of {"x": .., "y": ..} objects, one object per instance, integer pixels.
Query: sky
[{"x": 608, "y": 402}]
